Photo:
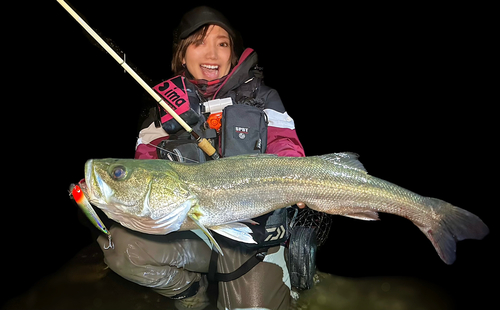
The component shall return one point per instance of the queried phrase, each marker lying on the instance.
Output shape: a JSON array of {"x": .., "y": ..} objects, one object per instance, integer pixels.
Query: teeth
[{"x": 210, "y": 67}]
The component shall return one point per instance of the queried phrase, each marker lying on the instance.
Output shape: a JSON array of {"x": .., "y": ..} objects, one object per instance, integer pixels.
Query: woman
[{"x": 207, "y": 68}]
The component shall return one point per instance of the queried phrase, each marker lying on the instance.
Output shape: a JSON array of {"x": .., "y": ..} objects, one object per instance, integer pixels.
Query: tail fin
[{"x": 453, "y": 224}]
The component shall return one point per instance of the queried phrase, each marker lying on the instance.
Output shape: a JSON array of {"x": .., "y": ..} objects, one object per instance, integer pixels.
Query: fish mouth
[
  {"x": 84, "y": 188},
  {"x": 94, "y": 187},
  {"x": 87, "y": 192},
  {"x": 85, "y": 182}
]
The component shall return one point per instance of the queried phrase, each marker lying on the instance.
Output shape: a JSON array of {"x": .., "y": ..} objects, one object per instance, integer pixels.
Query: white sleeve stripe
[{"x": 279, "y": 120}]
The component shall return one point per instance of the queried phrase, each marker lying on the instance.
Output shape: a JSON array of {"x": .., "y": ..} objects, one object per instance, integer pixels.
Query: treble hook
[{"x": 111, "y": 245}]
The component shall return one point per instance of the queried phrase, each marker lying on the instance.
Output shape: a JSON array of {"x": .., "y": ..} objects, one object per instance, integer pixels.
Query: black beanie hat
[{"x": 198, "y": 17}]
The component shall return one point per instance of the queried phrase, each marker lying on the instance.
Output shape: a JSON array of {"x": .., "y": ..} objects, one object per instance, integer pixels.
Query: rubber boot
[{"x": 198, "y": 301}]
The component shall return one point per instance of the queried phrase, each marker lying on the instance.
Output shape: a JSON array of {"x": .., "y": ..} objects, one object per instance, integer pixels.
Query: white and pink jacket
[{"x": 244, "y": 82}]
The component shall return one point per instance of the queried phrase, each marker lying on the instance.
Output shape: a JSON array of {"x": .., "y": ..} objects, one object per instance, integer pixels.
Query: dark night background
[{"x": 405, "y": 87}]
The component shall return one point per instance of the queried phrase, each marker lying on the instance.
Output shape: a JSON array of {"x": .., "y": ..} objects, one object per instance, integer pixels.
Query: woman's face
[{"x": 209, "y": 59}]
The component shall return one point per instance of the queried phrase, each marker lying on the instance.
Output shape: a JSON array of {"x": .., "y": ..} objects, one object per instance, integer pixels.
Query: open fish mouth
[
  {"x": 84, "y": 182},
  {"x": 87, "y": 192},
  {"x": 84, "y": 188},
  {"x": 94, "y": 187}
]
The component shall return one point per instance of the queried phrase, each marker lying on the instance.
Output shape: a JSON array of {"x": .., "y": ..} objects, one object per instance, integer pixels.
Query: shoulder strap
[{"x": 214, "y": 276}]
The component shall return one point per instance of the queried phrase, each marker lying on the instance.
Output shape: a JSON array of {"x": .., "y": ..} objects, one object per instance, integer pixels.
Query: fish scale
[{"x": 213, "y": 194}]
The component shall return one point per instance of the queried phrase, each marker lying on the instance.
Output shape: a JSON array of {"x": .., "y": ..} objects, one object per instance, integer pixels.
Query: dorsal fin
[{"x": 347, "y": 160}]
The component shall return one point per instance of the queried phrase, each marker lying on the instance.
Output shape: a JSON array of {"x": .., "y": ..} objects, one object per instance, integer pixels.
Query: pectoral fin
[
  {"x": 236, "y": 231},
  {"x": 194, "y": 214}
]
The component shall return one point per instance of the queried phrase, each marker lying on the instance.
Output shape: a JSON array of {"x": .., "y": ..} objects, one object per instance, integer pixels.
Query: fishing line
[{"x": 179, "y": 155}]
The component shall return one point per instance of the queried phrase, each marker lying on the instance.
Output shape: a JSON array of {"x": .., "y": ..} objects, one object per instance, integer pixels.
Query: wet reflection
[
  {"x": 86, "y": 283},
  {"x": 373, "y": 293}
]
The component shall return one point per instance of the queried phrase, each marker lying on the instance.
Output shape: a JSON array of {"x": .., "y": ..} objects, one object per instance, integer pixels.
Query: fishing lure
[{"x": 77, "y": 194}]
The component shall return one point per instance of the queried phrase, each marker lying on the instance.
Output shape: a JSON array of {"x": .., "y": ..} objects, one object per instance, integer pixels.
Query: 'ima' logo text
[{"x": 174, "y": 98}]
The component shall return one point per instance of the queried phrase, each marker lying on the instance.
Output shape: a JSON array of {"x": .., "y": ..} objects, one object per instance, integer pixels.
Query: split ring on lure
[{"x": 83, "y": 203}]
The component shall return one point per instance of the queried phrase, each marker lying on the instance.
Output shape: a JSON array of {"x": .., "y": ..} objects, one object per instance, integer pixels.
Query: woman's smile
[{"x": 211, "y": 72}]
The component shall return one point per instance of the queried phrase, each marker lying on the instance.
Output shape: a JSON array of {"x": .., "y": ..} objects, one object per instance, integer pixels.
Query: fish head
[{"x": 143, "y": 195}]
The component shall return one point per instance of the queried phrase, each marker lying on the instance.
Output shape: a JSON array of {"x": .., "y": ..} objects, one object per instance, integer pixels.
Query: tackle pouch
[{"x": 243, "y": 130}]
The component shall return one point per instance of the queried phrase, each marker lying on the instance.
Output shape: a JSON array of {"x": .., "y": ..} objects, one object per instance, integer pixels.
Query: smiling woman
[
  {"x": 209, "y": 56},
  {"x": 214, "y": 42}
]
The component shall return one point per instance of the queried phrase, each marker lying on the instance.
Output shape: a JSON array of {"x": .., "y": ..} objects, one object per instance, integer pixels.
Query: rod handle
[{"x": 206, "y": 147}]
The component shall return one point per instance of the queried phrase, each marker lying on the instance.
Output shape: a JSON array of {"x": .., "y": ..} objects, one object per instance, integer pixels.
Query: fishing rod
[{"x": 203, "y": 143}]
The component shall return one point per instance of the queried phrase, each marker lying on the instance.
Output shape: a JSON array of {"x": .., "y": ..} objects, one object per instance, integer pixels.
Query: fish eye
[{"x": 118, "y": 172}]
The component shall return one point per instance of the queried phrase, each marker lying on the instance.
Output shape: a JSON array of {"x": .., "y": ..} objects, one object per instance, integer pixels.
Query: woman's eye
[
  {"x": 119, "y": 172},
  {"x": 224, "y": 44}
]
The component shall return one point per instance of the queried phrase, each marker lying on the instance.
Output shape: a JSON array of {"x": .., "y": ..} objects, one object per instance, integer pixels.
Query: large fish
[{"x": 159, "y": 196}]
